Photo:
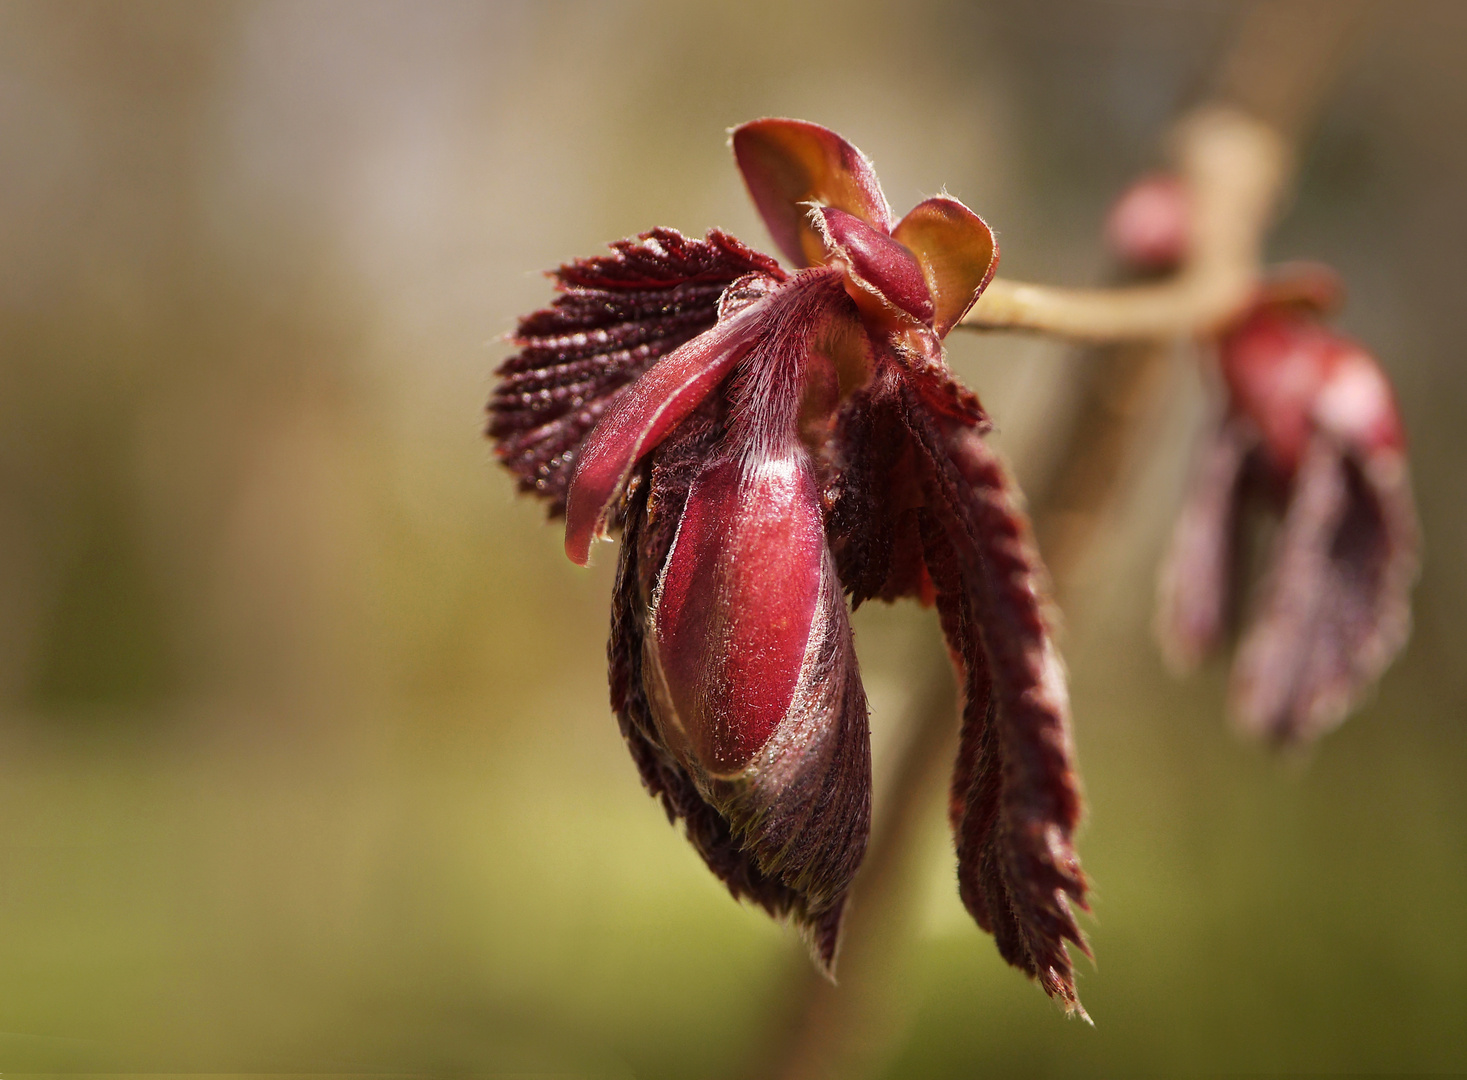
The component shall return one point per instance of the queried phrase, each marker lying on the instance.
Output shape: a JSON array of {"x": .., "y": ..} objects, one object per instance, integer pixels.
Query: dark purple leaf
[
  {"x": 1335, "y": 603},
  {"x": 1017, "y": 869},
  {"x": 616, "y": 315},
  {"x": 873, "y": 523},
  {"x": 1195, "y": 597}
]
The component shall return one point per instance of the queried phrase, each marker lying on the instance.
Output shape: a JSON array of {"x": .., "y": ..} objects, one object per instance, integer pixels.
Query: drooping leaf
[
  {"x": 1335, "y": 602},
  {"x": 1195, "y": 598},
  {"x": 1018, "y": 873},
  {"x": 873, "y": 523}
]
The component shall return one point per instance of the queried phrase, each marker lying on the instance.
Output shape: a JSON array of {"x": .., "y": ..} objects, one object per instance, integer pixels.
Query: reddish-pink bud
[
  {"x": 1357, "y": 405},
  {"x": 736, "y": 605},
  {"x": 878, "y": 263},
  {"x": 1149, "y": 227},
  {"x": 1289, "y": 374}
]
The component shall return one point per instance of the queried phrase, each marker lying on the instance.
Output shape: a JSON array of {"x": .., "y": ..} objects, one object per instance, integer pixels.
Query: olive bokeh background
[{"x": 305, "y": 757}]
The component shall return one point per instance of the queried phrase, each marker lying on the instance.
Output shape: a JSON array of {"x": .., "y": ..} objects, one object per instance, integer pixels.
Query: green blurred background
[{"x": 305, "y": 757}]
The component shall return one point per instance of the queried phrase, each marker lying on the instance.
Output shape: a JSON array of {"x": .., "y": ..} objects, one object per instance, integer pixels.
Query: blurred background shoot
[{"x": 306, "y": 761}]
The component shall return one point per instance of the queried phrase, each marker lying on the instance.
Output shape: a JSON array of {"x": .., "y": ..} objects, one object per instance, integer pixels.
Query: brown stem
[
  {"x": 1287, "y": 54},
  {"x": 1235, "y": 156},
  {"x": 1235, "y": 168}
]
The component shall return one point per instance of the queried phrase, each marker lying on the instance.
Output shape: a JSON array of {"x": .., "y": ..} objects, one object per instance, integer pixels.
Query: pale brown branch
[
  {"x": 1235, "y": 158},
  {"x": 1286, "y": 55},
  {"x": 1235, "y": 169}
]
